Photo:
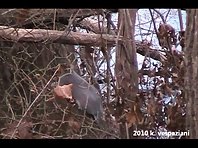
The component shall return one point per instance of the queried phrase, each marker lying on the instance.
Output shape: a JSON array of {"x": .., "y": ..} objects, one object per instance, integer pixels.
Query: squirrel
[
  {"x": 166, "y": 33},
  {"x": 86, "y": 96}
]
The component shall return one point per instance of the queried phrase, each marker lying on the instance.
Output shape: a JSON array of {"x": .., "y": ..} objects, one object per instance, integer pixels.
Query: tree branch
[
  {"x": 180, "y": 19},
  {"x": 73, "y": 38},
  {"x": 49, "y": 36}
]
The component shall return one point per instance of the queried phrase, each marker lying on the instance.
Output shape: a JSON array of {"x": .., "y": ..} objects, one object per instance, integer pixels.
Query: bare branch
[
  {"x": 93, "y": 26},
  {"x": 74, "y": 38},
  {"x": 155, "y": 28},
  {"x": 42, "y": 35},
  {"x": 35, "y": 100},
  {"x": 162, "y": 17},
  {"x": 153, "y": 53},
  {"x": 180, "y": 20}
]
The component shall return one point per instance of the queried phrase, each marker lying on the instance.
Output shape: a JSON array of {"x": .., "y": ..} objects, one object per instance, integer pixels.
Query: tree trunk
[
  {"x": 191, "y": 77},
  {"x": 126, "y": 64}
]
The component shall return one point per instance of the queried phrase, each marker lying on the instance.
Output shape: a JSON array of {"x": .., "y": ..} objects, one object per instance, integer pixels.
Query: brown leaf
[
  {"x": 63, "y": 92},
  {"x": 138, "y": 112},
  {"x": 134, "y": 116},
  {"x": 23, "y": 131},
  {"x": 75, "y": 126},
  {"x": 175, "y": 75},
  {"x": 151, "y": 108},
  {"x": 131, "y": 119}
]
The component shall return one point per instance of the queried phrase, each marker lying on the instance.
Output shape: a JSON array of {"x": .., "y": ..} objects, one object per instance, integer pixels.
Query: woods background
[{"x": 37, "y": 46}]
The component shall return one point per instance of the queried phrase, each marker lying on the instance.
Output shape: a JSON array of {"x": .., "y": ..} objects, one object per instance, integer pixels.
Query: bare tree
[
  {"x": 191, "y": 67},
  {"x": 40, "y": 46},
  {"x": 126, "y": 63}
]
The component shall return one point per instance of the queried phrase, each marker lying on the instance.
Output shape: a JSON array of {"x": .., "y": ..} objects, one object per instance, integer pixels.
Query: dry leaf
[
  {"x": 151, "y": 108},
  {"x": 23, "y": 131},
  {"x": 75, "y": 126},
  {"x": 131, "y": 119},
  {"x": 63, "y": 92},
  {"x": 175, "y": 75}
]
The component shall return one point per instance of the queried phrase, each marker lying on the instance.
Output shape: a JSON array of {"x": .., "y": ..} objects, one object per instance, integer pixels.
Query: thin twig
[
  {"x": 106, "y": 132},
  {"x": 167, "y": 14},
  {"x": 127, "y": 130},
  {"x": 54, "y": 20},
  {"x": 154, "y": 24},
  {"x": 180, "y": 20},
  {"x": 71, "y": 20},
  {"x": 35, "y": 100},
  {"x": 162, "y": 17}
]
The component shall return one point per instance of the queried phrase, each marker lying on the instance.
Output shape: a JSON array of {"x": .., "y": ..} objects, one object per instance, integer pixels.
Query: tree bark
[
  {"x": 191, "y": 76},
  {"x": 73, "y": 38},
  {"x": 126, "y": 63},
  {"x": 36, "y": 16}
]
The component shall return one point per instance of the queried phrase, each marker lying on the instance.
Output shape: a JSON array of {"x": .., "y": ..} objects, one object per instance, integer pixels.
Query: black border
[
  {"x": 93, "y": 143},
  {"x": 99, "y": 4}
]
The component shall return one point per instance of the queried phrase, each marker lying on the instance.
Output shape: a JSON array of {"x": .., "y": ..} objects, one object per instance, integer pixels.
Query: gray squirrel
[{"x": 86, "y": 96}]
